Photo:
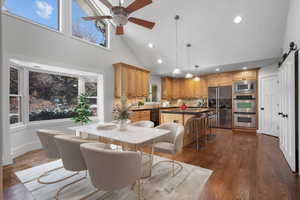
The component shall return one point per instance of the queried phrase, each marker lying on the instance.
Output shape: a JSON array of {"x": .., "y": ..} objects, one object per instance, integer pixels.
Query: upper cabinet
[
  {"x": 181, "y": 88},
  {"x": 131, "y": 81},
  {"x": 245, "y": 75}
]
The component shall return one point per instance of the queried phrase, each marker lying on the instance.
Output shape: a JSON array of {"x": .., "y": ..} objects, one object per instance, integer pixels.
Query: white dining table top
[{"x": 133, "y": 135}]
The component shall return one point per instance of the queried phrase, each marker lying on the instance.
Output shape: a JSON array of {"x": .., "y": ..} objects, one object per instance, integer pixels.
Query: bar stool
[
  {"x": 198, "y": 127},
  {"x": 211, "y": 124}
]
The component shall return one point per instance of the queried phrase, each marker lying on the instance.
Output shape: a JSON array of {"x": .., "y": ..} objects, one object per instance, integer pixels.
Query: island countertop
[{"x": 189, "y": 111}]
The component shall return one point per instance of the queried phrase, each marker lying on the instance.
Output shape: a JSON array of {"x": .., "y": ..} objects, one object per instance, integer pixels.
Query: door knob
[
  {"x": 262, "y": 108},
  {"x": 280, "y": 113}
]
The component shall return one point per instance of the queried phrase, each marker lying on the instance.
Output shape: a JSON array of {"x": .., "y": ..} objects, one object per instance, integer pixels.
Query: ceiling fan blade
[
  {"x": 141, "y": 22},
  {"x": 96, "y": 18},
  {"x": 120, "y": 30},
  {"x": 138, "y": 4},
  {"x": 106, "y": 3}
]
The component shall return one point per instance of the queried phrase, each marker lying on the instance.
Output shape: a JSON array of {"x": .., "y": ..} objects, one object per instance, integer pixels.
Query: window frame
[
  {"x": 27, "y": 20},
  {"x": 97, "y": 11},
  {"x": 24, "y": 90},
  {"x": 20, "y": 94}
]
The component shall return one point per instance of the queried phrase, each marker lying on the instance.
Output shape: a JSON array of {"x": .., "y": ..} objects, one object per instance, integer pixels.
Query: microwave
[{"x": 245, "y": 86}]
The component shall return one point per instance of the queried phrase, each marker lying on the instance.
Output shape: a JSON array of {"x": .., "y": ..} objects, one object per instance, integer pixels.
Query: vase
[{"x": 123, "y": 125}]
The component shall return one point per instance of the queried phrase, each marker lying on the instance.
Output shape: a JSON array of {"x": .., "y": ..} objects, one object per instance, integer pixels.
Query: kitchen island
[{"x": 181, "y": 117}]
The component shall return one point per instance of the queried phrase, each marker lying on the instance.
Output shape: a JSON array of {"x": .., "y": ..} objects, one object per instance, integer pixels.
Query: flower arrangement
[{"x": 122, "y": 112}]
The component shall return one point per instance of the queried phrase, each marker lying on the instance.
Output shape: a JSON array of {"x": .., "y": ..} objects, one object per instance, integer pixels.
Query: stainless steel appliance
[
  {"x": 248, "y": 86},
  {"x": 244, "y": 103},
  {"x": 245, "y": 120},
  {"x": 220, "y": 99}
]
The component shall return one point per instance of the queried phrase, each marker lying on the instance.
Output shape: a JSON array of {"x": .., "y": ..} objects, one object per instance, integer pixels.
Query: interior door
[
  {"x": 287, "y": 112},
  {"x": 269, "y": 105}
]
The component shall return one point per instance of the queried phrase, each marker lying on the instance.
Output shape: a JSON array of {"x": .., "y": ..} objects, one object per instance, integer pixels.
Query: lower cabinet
[{"x": 143, "y": 115}]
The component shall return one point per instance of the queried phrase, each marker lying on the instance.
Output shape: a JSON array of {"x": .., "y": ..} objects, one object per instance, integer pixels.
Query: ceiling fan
[{"x": 120, "y": 15}]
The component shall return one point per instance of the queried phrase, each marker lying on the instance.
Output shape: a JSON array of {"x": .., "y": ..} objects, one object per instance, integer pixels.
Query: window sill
[
  {"x": 41, "y": 124},
  {"x": 90, "y": 43}
]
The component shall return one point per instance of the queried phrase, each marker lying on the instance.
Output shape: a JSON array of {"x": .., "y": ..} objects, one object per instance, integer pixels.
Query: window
[
  {"x": 90, "y": 87},
  {"x": 15, "y": 97},
  {"x": 51, "y": 96},
  {"x": 92, "y": 31},
  {"x": 44, "y": 12}
]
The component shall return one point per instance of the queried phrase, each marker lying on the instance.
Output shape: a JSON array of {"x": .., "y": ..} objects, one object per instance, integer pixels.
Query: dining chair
[
  {"x": 111, "y": 170},
  {"x": 172, "y": 144},
  {"x": 46, "y": 138},
  {"x": 197, "y": 126},
  {"x": 145, "y": 124},
  {"x": 69, "y": 150}
]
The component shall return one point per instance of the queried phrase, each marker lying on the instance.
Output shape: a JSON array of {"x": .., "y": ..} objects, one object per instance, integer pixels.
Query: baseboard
[
  {"x": 25, "y": 148},
  {"x": 259, "y": 131}
]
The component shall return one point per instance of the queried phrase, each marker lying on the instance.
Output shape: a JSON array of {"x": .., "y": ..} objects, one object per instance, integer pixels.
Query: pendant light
[
  {"x": 177, "y": 70},
  {"x": 188, "y": 75},
  {"x": 197, "y": 78}
]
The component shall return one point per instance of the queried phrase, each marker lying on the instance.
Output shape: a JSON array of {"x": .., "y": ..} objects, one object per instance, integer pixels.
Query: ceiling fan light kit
[{"x": 120, "y": 15}]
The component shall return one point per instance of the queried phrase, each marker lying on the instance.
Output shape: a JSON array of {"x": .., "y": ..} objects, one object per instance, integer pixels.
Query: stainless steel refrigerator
[{"x": 220, "y": 99}]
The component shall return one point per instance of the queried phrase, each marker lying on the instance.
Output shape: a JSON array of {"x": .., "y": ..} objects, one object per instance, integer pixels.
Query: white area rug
[{"x": 187, "y": 185}]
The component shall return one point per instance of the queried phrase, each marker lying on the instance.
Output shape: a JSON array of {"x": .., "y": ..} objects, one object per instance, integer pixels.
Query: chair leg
[
  {"x": 52, "y": 182},
  {"x": 66, "y": 186},
  {"x": 173, "y": 166}
]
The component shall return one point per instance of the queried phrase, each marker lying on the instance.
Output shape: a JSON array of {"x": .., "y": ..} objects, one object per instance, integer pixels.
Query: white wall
[
  {"x": 292, "y": 25},
  {"x": 29, "y": 42},
  {"x": 293, "y": 31}
]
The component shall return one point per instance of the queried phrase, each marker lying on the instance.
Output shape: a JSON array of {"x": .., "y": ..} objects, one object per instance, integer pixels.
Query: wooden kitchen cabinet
[
  {"x": 131, "y": 81},
  {"x": 143, "y": 115},
  {"x": 245, "y": 75},
  {"x": 167, "y": 88},
  {"x": 212, "y": 80},
  {"x": 176, "y": 93}
]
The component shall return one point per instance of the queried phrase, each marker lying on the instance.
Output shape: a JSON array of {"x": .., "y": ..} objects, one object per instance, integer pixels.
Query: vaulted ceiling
[{"x": 208, "y": 25}]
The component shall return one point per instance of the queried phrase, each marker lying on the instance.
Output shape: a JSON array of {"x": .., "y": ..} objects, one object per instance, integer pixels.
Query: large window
[
  {"x": 51, "y": 96},
  {"x": 44, "y": 12},
  {"x": 15, "y": 97},
  {"x": 92, "y": 31},
  {"x": 90, "y": 87}
]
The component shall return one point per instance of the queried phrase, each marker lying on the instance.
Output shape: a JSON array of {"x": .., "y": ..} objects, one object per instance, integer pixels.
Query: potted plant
[
  {"x": 121, "y": 113},
  {"x": 82, "y": 112}
]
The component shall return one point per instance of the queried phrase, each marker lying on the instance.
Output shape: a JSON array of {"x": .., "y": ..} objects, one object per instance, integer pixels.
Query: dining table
[{"x": 131, "y": 139}]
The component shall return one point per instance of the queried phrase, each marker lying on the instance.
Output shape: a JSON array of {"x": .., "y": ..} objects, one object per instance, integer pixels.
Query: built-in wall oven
[
  {"x": 245, "y": 120},
  {"x": 244, "y": 108},
  {"x": 244, "y": 103}
]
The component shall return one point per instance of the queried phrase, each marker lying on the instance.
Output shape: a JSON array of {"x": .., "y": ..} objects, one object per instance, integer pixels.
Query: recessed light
[
  {"x": 237, "y": 19},
  {"x": 189, "y": 75},
  {"x": 150, "y": 45},
  {"x": 218, "y": 69},
  {"x": 177, "y": 71},
  {"x": 245, "y": 68},
  {"x": 159, "y": 61}
]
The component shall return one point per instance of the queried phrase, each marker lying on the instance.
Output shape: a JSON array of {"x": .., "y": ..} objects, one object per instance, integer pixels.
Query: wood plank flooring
[{"x": 246, "y": 167}]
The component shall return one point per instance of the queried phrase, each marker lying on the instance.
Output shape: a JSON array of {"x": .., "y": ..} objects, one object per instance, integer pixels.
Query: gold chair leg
[
  {"x": 56, "y": 181},
  {"x": 69, "y": 184},
  {"x": 89, "y": 195},
  {"x": 173, "y": 165}
]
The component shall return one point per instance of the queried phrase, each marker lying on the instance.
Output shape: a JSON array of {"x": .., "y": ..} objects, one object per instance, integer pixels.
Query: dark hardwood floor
[{"x": 246, "y": 167}]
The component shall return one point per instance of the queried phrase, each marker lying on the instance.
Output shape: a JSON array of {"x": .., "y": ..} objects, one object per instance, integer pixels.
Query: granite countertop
[
  {"x": 189, "y": 111},
  {"x": 151, "y": 107}
]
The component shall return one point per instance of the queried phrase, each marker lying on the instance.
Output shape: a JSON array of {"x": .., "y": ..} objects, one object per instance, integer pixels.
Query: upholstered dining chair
[
  {"x": 69, "y": 150},
  {"x": 170, "y": 144},
  {"x": 46, "y": 138},
  {"x": 111, "y": 170},
  {"x": 145, "y": 124}
]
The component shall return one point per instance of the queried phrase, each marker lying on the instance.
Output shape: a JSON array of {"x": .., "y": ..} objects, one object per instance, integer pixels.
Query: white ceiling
[{"x": 208, "y": 26}]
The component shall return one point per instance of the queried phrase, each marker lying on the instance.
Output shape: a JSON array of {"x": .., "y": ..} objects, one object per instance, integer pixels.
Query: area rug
[{"x": 187, "y": 185}]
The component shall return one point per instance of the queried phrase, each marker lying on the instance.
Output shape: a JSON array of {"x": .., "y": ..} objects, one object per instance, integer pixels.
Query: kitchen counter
[
  {"x": 151, "y": 107},
  {"x": 189, "y": 111}
]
